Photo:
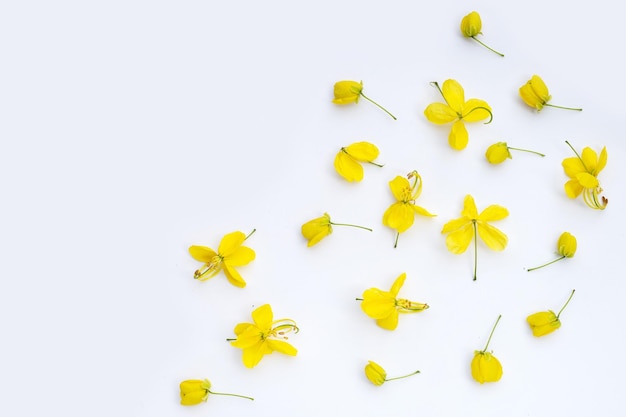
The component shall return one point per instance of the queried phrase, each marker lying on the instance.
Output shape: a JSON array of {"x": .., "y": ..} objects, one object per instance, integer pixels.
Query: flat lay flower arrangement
[{"x": 466, "y": 230}]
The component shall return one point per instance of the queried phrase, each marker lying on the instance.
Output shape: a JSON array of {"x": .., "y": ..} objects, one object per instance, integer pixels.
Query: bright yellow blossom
[
  {"x": 471, "y": 225},
  {"x": 384, "y": 306},
  {"x": 471, "y": 25},
  {"x": 565, "y": 246},
  {"x": 486, "y": 367},
  {"x": 401, "y": 214},
  {"x": 535, "y": 93},
  {"x": 347, "y": 92},
  {"x": 195, "y": 391},
  {"x": 583, "y": 173},
  {"x": 377, "y": 375},
  {"x": 264, "y": 336},
  {"x": 348, "y": 158},
  {"x": 500, "y": 152},
  {"x": 457, "y": 111},
  {"x": 318, "y": 228},
  {"x": 229, "y": 254},
  {"x": 545, "y": 322}
]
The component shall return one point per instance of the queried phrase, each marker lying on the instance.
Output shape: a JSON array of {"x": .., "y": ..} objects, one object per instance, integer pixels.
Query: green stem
[
  {"x": 251, "y": 233},
  {"x": 400, "y": 377},
  {"x": 351, "y": 225},
  {"x": 231, "y": 395},
  {"x": 566, "y": 303},
  {"x": 561, "y": 107},
  {"x": 374, "y": 163},
  {"x": 395, "y": 245},
  {"x": 475, "y": 248},
  {"x": 483, "y": 108},
  {"x": 491, "y": 334},
  {"x": 230, "y": 340},
  {"x": 491, "y": 49},
  {"x": 358, "y": 299},
  {"x": 578, "y": 155},
  {"x": 525, "y": 150},
  {"x": 549, "y": 263},
  {"x": 379, "y": 106}
]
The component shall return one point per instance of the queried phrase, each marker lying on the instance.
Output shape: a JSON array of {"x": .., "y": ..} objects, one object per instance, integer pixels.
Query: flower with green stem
[
  {"x": 457, "y": 111},
  {"x": 230, "y": 254},
  {"x": 471, "y": 225},
  {"x": 401, "y": 214},
  {"x": 583, "y": 173},
  {"x": 471, "y": 26},
  {"x": 500, "y": 152},
  {"x": 320, "y": 227},
  {"x": 535, "y": 93},
  {"x": 486, "y": 367},
  {"x": 378, "y": 376},
  {"x": 347, "y": 92},
  {"x": 545, "y": 322},
  {"x": 565, "y": 246},
  {"x": 347, "y": 160},
  {"x": 195, "y": 391}
]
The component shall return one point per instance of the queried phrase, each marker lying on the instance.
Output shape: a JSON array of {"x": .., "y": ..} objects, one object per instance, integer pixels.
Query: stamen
[{"x": 208, "y": 269}]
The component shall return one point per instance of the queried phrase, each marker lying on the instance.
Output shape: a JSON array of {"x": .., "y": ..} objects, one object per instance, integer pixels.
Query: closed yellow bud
[
  {"x": 347, "y": 92},
  {"x": 566, "y": 245},
  {"x": 375, "y": 373},
  {"x": 471, "y": 25},
  {"x": 535, "y": 93},
  {"x": 194, "y": 391},
  {"x": 486, "y": 367},
  {"x": 543, "y": 323},
  {"x": 498, "y": 153}
]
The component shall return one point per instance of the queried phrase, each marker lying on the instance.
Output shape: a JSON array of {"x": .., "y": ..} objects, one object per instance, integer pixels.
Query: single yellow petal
[
  {"x": 363, "y": 151},
  {"x": 573, "y": 166},
  {"x": 263, "y": 316},
  {"x": 587, "y": 180},
  {"x": 458, "y": 240},
  {"x": 397, "y": 284},
  {"x": 400, "y": 188},
  {"x": 458, "y": 137},
  {"x": 455, "y": 224},
  {"x": 202, "y": 253},
  {"x": 475, "y": 110},
  {"x": 469, "y": 208},
  {"x": 454, "y": 95},
  {"x": 422, "y": 211},
  {"x": 493, "y": 213},
  {"x": 252, "y": 356},
  {"x": 602, "y": 160},
  {"x": 390, "y": 322},
  {"x": 242, "y": 327},
  {"x": 348, "y": 167},
  {"x": 282, "y": 347},
  {"x": 250, "y": 336},
  {"x": 242, "y": 255},
  {"x": 486, "y": 367},
  {"x": 493, "y": 237},
  {"x": 440, "y": 113},
  {"x": 590, "y": 160},
  {"x": 378, "y": 304},
  {"x": 233, "y": 276},
  {"x": 573, "y": 188},
  {"x": 399, "y": 216},
  {"x": 230, "y": 243}
]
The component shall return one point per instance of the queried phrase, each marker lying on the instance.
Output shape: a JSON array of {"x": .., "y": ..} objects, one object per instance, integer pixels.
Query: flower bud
[
  {"x": 375, "y": 373},
  {"x": 498, "y": 153},
  {"x": 543, "y": 323},
  {"x": 194, "y": 391},
  {"x": 535, "y": 93},
  {"x": 566, "y": 245},
  {"x": 347, "y": 92},
  {"x": 486, "y": 367},
  {"x": 471, "y": 25}
]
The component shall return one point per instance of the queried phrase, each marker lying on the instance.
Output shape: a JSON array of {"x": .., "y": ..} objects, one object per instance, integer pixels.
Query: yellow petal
[
  {"x": 230, "y": 243},
  {"x": 363, "y": 151},
  {"x": 242, "y": 327},
  {"x": 454, "y": 95},
  {"x": 378, "y": 304},
  {"x": 348, "y": 167},
  {"x": 587, "y": 180},
  {"x": 193, "y": 398},
  {"x": 573, "y": 166},
  {"x": 469, "y": 208},
  {"x": 455, "y": 224},
  {"x": 390, "y": 322},
  {"x": 540, "y": 88},
  {"x": 458, "y": 137},
  {"x": 191, "y": 385},
  {"x": 458, "y": 240},
  {"x": 486, "y": 367},
  {"x": 602, "y": 160},
  {"x": 527, "y": 94},
  {"x": 474, "y": 110},
  {"x": 233, "y": 276},
  {"x": 397, "y": 284},
  {"x": 440, "y": 113},
  {"x": 492, "y": 236},
  {"x": 399, "y": 216},
  {"x": 250, "y": 336},
  {"x": 493, "y": 213},
  {"x": 573, "y": 188},
  {"x": 202, "y": 253},
  {"x": 282, "y": 347},
  {"x": 590, "y": 160},
  {"x": 263, "y": 316},
  {"x": 243, "y": 255},
  {"x": 252, "y": 356},
  {"x": 400, "y": 188},
  {"x": 422, "y": 211}
]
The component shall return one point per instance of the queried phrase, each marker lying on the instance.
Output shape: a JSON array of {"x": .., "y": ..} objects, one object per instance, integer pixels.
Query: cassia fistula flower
[
  {"x": 347, "y": 160},
  {"x": 486, "y": 367},
  {"x": 385, "y": 307},
  {"x": 195, "y": 391},
  {"x": 583, "y": 173},
  {"x": 229, "y": 255},
  {"x": 264, "y": 336},
  {"x": 545, "y": 322},
  {"x": 347, "y": 92},
  {"x": 471, "y": 26},
  {"x": 471, "y": 225},
  {"x": 320, "y": 227},
  {"x": 401, "y": 214},
  {"x": 565, "y": 246},
  {"x": 500, "y": 152},
  {"x": 456, "y": 110},
  {"x": 378, "y": 376},
  {"x": 535, "y": 93}
]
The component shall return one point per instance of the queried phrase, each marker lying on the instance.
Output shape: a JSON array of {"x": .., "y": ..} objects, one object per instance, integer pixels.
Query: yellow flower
[
  {"x": 347, "y": 160},
  {"x": 583, "y": 173},
  {"x": 384, "y": 306},
  {"x": 318, "y": 228},
  {"x": 499, "y": 152},
  {"x": 347, "y": 92},
  {"x": 264, "y": 336},
  {"x": 545, "y": 322},
  {"x": 401, "y": 214},
  {"x": 457, "y": 110},
  {"x": 565, "y": 246},
  {"x": 471, "y": 224},
  {"x": 377, "y": 375},
  {"x": 471, "y": 26},
  {"x": 229, "y": 254},
  {"x": 195, "y": 391},
  {"x": 486, "y": 367},
  {"x": 535, "y": 94}
]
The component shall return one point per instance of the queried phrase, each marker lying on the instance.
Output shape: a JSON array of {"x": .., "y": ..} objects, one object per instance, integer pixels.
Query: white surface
[{"x": 133, "y": 129}]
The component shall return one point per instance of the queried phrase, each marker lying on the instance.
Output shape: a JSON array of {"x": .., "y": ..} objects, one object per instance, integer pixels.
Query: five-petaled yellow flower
[
  {"x": 471, "y": 25},
  {"x": 565, "y": 246},
  {"x": 384, "y": 306},
  {"x": 500, "y": 152},
  {"x": 347, "y": 92},
  {"x": 195, "y": 391},
  {"x": 535, "y": 93},
  {"x": 264, "y": 336},
  {"x": 545, "y": 322},
  {"x": 378, "y": 376},
  {"x": 486, "y": 367},
  {"x": 320, "y": 227},
  {"x": 348, "y": 158},
  {"x": 471, "y": 225},
  {"x": 457, "y": 110},
  {"x": 401, "y": 214},
  {"x": 229, "y": 254},
  {"x": 583, "y": 173}
]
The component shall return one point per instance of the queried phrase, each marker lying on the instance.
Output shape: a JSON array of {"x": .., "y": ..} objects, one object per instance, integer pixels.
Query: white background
[{"x": 131, "y": 130}]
